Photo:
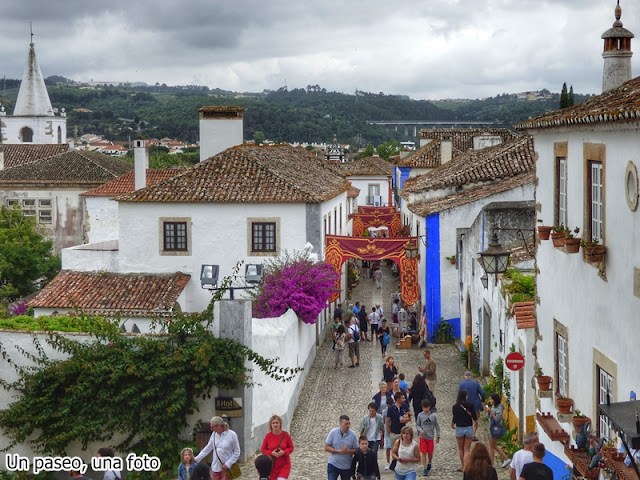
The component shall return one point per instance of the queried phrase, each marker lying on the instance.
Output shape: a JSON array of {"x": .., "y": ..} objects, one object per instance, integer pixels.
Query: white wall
[
  {"x": 363, "y": 183},
  {"x": 101, "y": 219},
  {"x": 600, "y": 312},
  {"x": 45, "y": 129},
  {"x": 217, "y": 135}
]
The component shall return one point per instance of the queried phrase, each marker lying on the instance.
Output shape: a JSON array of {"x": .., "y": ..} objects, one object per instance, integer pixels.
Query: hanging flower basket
[{"x": 572, "y": 245}]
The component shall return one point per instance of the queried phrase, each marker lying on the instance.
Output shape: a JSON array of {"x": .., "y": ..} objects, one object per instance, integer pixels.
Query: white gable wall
[
  {"x": 101, "y": 219},
  {"x": 362, "y": 182},
  {"x": 601, "y": 316}
]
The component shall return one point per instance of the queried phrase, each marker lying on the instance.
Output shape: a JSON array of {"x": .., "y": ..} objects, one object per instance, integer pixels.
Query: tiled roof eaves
[
  {"x": 621, "y": 104},
  {"x": 427, "y": 156},
  {"x": 472, "y": 195}
]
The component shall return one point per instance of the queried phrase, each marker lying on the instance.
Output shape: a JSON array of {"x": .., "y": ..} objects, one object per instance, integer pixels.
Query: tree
[
  {"x": 25, "y": 255},
  {"x": 564, "y": 97},
  {"x": 258, "y": 137},
  {"x": 368, "y": 152},
  {"x": 389, "y": 148},
  {"x": 570, "y": 98}
]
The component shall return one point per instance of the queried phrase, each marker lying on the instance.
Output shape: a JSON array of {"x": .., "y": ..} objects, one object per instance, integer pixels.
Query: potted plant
[
  {"x": 564, "y": 404},
  {"x": 543, "y": 230},
  {"x": 593, "y": 251},
  {"x": 544, "y": 381},
  {"x": 452, "y": 259},
  {"x": 571, "y": 241},
  {"x": 558, "y": 235},
  {"x": 579, "y": 419}
]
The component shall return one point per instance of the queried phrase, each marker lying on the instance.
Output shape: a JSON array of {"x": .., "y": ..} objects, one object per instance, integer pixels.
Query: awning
[{"x": 623, "y": 417}]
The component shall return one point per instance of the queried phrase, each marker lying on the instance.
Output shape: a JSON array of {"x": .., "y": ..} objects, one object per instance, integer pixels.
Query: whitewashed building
[{"x": 373, "y": 177}]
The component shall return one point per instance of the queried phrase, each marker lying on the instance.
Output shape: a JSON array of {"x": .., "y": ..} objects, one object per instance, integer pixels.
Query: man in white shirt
[
  {"x": 524, "y": 456},
  {"x": 374, "y": 321},
  {"x": 354, "y": 345},
  {"x": 225, "y": 446}
]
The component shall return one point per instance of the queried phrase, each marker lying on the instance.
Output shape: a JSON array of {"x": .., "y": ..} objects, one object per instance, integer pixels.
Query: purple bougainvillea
[{"x": 296, "y": 283}]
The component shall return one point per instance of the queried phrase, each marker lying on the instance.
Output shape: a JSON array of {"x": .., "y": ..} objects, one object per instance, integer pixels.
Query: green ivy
[
  {"x": 141, "y": 388},
  {"x": 521, "y": 287},
  {"x": 62, "y": 323}
]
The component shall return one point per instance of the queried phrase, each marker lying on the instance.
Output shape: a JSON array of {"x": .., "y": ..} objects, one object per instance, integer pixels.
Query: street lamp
[
  {"x": 485, "y": 281},
  {"x": 252, "y": 277},
  {"x": 495, "y": 259},
  {"x": 411, "y": 251},
  {"x": 209, "y": 276}
]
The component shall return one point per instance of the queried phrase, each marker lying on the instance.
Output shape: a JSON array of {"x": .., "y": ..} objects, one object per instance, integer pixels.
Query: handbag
[
  {"x": 385, "y": 339},
  {"x": 496, "y": 429}
]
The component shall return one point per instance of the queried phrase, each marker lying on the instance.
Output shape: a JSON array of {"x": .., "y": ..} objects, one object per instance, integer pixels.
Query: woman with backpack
[{"x": 420, "y": 391}]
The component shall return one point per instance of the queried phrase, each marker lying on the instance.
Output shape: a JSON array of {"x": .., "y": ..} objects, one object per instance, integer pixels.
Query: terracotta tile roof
[
  {"x": 126, "y": 183},
  {"x": 424, "y": 208},
  {"x": 353, "y": 192},
  {"x": 462, "y": 138},
  {"x": 102, "y": 293},
  {"x": 621, "y": 104},
  {"x": 21, "y": 154},
  {"x": 372, "y": 166},
  {"x": 74, "y": 167},
  {"x": 523, "y": 311},
  {"x": 428, "y": 156},
  {"x": 476, "y": 166},
  {"x": 250, "y": 173},
  {"x": 221, "y": 109}
]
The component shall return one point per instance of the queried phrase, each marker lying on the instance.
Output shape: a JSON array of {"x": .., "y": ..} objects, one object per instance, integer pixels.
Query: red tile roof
[
  {"x": 69, "y": 168},
  {"x": 353, "y": 192},
  {"x": 371, "y": 166},
  {"x": 424, "y": 208},
  {"x": 462, "y": 138},
  {"x": 23, "y": 153},
  {"x": 102, "y": 293},
  {"x": 250, "y": 173},
  {"x": 126, "y": 183},
  {"x": 476, "y": 166},
  {"x": 428, "y": 156},
  {"x": 621, "y": 104},
  {"x": 523, "y": 311}
]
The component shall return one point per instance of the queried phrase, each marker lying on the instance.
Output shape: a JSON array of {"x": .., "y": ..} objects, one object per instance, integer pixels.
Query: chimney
[
  {"x": 1, "y": 158},
  {"x": 220, "y": 128},
  {"x": 617, "y": 54},
  {"x": 141, "y": 162},
  {"x": 446, "y": 151}
]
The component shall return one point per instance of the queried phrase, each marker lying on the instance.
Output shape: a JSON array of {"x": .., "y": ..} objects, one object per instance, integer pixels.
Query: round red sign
[{"x": 514, "y": 361}]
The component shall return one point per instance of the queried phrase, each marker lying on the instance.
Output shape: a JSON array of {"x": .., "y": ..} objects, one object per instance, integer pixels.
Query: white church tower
[
  {"x": 34, "y": 120},
  {"x": 617, "y": 54}
]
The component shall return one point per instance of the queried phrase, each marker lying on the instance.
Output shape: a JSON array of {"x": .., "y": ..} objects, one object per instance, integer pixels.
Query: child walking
[
  {"x": 429, "y": 429},
  {"x": 365, "y": 462},
  {"x": 340, "y": 346}
]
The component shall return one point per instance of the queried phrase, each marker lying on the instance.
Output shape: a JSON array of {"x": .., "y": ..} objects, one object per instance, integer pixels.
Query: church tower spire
[
  {"x": 617, "y": 54},
  {"x": 33, "y": 98}
]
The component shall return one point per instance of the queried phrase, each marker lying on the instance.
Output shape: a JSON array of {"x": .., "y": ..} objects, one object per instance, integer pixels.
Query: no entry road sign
[{"x": 514, "y": 361}]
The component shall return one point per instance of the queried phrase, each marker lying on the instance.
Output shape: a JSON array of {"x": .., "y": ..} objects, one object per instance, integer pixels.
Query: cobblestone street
[{"x": 329, "y": 393}]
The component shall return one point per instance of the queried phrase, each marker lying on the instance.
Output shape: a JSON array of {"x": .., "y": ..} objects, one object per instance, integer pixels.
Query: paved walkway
[{"x": 329, "y": 393}]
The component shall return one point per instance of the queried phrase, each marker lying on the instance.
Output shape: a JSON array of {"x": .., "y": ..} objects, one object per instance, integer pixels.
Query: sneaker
[
  {"x": 386, "y": 467},
  {"x": 506, "y": 462},
  {"x": 352, "y": 366},
  {"x": 358, "y": 364},
  {"x": 425, "y": 473},
  {"x": 428, "y": 466}
]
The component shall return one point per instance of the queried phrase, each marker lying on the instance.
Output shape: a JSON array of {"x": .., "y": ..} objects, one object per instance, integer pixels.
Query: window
[
  {"x": 596, "y": 200},
  {"x": 373, "y": 192},
  {"x": 340, "y": 217},
  {"x": 562, "y": 190},
  {"x": 263, "y": 237},
  {"x": 330, "y": 223},
  {"x": 31, "y": 207},
  {"x": 561, "y": 356},
  {"x": 175, "y": 236},
  {"x": 605, "y": 386},
  {"x": 335, "y": 221},
  {"x": 26, "y": 135}
]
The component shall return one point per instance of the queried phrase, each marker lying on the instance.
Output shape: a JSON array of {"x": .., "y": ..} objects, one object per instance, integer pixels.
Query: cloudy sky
[{"x": 426, "y": 49}]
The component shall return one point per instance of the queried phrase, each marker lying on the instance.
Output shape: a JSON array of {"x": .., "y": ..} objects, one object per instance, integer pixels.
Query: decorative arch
[
  {"x": 339, "y": 249},
  {"x": 362, "y": 221},
  {"x": 26, "y": 135}
]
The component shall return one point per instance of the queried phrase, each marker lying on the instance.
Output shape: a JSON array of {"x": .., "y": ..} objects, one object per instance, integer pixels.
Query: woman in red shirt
[{"x": 278, "y": 445}]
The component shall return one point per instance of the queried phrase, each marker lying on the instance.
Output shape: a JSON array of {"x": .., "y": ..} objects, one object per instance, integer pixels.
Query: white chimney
[
  {"x": 220, "y": 128},
  {"x": 141, "y": 163},
  {"x": 446, "y": 151},
  {"x": 1, "y": 158}
]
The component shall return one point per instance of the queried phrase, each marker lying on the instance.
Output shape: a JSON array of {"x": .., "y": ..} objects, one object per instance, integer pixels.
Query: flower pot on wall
[
  {"x": 544, "y": 383},
  {"x": 544, "y": 232},
  {"x": 564, "y": 405},
  {"x": 594, "y": 253},
  {"x": 558, "y": 238},
  {"x": 579, "y": 421},
  {"x": 572, "y": 245}
]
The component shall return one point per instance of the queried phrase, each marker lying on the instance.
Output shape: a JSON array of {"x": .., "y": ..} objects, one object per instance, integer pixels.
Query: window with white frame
[
  {"x": 605, "y": 387},
  {"x": 561, "y": 364},
  {"x": 34, "y": 207},
  {"x": 596, "y": 200},
  {"x": 373, "y": 192},
  {"x": 562, "y": 190}
]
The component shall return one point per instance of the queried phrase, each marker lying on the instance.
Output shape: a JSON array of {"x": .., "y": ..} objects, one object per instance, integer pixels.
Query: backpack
[
  {"x": 355, "y": 333},
  {"x": 385, "y": 339}
]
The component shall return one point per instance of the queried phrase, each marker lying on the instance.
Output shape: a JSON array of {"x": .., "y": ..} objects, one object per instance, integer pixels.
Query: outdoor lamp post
[
  {"x": 411, "y": 251},
  {"x": 209, "y": 276},
  {"x": 485, "y": 281},
  {"x": 495, "y": 259}
]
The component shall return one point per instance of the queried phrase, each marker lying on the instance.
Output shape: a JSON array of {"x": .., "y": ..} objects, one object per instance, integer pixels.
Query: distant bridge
[{"x": 412, "y": 125}]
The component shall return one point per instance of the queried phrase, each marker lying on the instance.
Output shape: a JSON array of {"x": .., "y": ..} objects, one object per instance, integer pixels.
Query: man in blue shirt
[
  {"x": 398, "y": 415},
  {"x": 341, "y": 443}
]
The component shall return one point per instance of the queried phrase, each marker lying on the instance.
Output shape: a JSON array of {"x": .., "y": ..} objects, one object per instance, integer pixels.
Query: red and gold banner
[
  {"x": 376, "y": 210},
  {"x": 362, "y": 221},
  {"x": 338, "y": 249}
]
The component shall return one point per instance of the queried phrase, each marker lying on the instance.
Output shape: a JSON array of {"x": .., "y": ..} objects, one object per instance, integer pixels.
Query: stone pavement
[{"x": 329, "y": 393}]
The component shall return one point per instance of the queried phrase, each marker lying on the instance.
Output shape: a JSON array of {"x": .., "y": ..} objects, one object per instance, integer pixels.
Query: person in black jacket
[
  {"x": 365, "y": 462},
  {"x": 420, "y": 391},
  {"x": 363, "y": 318}
]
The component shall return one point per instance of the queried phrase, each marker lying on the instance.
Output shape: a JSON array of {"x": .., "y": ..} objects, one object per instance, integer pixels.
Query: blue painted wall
[{"x": 558, "y": 466}]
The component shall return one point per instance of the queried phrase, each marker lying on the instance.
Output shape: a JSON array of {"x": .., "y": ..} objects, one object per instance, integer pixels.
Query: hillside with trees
[{"x": 311, "y": 114}]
